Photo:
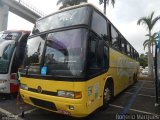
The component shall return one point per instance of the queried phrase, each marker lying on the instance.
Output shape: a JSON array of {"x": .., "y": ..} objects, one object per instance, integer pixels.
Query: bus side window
[
  {"x": 128, "y": 49},
  {"x": 114, "y": 36},
  {"x": 92, "y": 52},
  {"x": 137, "y": 58},
  {"x": 132, "y": 53},
  {"x": 100, "y": 29},
  {"x": 123, "y": 45},
  {"x": 106, "y": 58},
  {"x": 7, "y": 51}
]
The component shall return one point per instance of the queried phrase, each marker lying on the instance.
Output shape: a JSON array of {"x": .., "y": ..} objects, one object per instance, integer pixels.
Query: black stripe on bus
[
  {"x": 43, "y": 92},
  {"x": 65, "y": 78}
]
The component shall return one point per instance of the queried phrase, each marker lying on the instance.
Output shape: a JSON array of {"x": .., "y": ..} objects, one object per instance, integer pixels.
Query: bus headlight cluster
[
  {"x": 3, "y": 81},
  {"x": 24, "y": 87},
  {"x": 69, "y": 94}
]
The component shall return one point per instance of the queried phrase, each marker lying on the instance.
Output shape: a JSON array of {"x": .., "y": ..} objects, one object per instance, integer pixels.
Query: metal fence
[{"x": 31, "y": 7}]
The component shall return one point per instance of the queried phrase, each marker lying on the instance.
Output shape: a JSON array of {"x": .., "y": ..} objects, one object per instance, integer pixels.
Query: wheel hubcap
[{"x": 107, "y": 95}]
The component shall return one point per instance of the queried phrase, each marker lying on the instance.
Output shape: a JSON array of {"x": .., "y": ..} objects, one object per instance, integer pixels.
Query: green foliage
[
  {"x": 148, "y": 21},
  {"x": 152, "y": 41},
  {"x": 106, "y": 2},
  {"x": 143, "y": 60}
]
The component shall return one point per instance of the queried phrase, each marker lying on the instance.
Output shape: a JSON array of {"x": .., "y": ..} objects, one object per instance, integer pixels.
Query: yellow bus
[{"x": 76, "y": 61}]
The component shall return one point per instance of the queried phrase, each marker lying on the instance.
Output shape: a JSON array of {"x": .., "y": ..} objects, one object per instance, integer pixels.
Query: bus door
[
  {"x": 97, "y": 64},
  {"x": 18, "y": 58}
]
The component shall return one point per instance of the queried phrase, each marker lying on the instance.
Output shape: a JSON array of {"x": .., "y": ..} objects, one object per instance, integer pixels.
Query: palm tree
[
  {"x": 105, "y": 3},
  {"x": 66, "y": 3},
  {"x": 149, "y": 22},
  {"x": 152, "y": 41}
]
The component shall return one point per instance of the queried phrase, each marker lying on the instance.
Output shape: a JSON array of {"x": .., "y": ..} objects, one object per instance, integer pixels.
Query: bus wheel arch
[{"x": 108, "y": 92}]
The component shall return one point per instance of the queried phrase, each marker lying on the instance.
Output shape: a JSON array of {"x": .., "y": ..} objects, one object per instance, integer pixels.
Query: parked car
[
  {"x": 145, "y": 71},
  {"x": 146, "y": 67},
  {"x": 140, "y": 69}
]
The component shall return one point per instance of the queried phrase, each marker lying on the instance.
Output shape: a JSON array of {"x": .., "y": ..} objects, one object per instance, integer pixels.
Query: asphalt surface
[{"x": 136, "y": 102}]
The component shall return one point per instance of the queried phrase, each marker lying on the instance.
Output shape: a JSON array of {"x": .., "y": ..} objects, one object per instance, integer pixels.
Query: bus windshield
[
  {"x": 6, "y": 50},
  {"x": 63, "y": 19},
  {"x": 64, "y": 53}
]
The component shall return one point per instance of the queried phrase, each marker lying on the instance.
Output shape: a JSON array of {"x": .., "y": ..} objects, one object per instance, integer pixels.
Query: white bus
[{"x": 12, "y": 48}]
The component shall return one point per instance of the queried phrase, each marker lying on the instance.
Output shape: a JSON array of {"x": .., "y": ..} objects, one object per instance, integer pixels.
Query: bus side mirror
[{"x": 100, "y": 52}]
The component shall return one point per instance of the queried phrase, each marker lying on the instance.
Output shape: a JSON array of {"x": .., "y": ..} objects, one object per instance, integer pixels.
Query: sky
[{"x": 124, "y": 16}]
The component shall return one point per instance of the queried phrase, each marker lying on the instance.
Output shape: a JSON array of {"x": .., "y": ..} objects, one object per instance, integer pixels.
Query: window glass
[
  {"x": 99, "y": 25},
  {"x": 114, "y": 36},
  {"x": 123, "y": 45},
  {"x": 67, "y": 18},
  {"x": 92, "y": 52},
  {"x": 132, "y": 52},
  {"x": 34, "y": 51},
  {"x": 105, "y": 58},
  {"x": 63, "y": 53},
  {"x": 137, "y": 56},
  {"x": 128, "y": 49},
  {"x": 93, "y": 65},
  {"x": 6, "y": 52}
]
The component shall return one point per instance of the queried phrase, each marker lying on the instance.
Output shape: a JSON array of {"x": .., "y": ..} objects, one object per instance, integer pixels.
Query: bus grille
[{"x": 44, "y": 104}]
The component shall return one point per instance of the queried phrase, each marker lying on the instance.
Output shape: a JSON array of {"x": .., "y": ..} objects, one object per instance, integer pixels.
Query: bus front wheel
[{"x": 107, "y": 95}]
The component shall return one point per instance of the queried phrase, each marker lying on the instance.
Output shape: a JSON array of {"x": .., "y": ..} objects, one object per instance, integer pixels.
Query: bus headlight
[
  {"x": 3, "y": 81},
  {"x": 24, "y": 87},
  {"x": 69, "y": 94}
]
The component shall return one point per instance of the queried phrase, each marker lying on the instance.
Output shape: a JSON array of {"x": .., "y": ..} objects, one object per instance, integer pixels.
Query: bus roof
[{"x": 72, "y": 7}]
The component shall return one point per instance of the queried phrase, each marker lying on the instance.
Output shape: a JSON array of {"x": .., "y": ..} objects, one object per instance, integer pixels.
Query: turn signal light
[{"x": 78, "y": 95}]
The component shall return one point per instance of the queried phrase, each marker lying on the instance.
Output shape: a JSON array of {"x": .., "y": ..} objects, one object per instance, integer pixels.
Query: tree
[
  {"x": 152, "y": 41},
  {"x": 143, "y": 60},
  {"x": 67, "y": 3},
  {"x": 106, "y": 2},
  {"x": 149, "y": 22}
]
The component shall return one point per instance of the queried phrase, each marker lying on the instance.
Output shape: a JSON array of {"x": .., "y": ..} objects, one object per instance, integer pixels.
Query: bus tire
[{"x": 107, "y": 95}]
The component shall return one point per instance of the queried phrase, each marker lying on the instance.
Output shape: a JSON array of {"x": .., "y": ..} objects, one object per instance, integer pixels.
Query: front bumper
[{"x": 67, "y": 106}]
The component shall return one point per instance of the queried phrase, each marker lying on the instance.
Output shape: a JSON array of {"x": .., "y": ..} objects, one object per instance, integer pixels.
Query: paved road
[{"x": 139, "y": 99}]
